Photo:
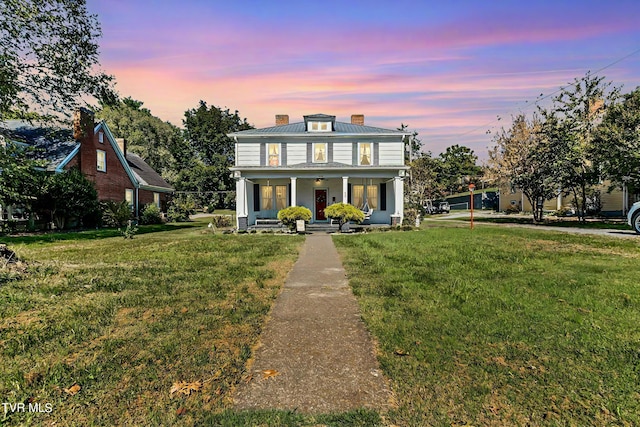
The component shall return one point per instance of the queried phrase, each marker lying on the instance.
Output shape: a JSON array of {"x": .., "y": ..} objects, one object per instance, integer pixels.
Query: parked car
[
  {"x": 633, "y": 217},
  {"x": 444, "y": 207}
]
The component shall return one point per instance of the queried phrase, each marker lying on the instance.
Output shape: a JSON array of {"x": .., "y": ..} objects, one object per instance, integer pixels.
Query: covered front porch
[{"x": 261, "y": 196}]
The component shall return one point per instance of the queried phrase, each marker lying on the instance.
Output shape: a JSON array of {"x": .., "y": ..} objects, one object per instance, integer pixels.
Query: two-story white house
[{"x": 318, "y": 162}]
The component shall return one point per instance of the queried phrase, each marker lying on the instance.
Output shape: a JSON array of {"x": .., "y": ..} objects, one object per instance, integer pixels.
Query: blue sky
[{"x": 447, "y": 69}]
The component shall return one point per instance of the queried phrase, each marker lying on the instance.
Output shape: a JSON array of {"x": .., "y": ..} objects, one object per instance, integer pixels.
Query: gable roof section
[
  {"x": 57, "y": 148},
  {"x": 299, "y": 129},
  {"x": 147, "y": 177},
  {"x": 53, "y": 145}
]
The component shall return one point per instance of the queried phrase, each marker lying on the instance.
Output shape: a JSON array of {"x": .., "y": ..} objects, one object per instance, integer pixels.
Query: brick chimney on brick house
[
  {"x": 83, "y": 133},
  {"x": 122, "y": 143},
  {"x": 357, "y": 119},
  {"x": 282, "y": 119}
]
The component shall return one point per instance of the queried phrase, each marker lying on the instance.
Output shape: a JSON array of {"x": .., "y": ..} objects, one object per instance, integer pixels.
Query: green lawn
[
  {"x": 490, "y": 327},
  {"x": 127, "y": 319},
  {"x": 502, "y": 326}
]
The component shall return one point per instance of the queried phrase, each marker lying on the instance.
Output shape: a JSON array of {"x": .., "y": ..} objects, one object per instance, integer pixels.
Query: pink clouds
[{"x": 445, "y": 70}]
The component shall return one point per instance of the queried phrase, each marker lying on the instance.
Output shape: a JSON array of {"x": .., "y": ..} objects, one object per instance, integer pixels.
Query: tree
[
  {"x": 424, "y": 180},
  {"x": 160, "y": 144},
  {"x": 617, "y": 142},
  {"x": 344, "y": 212},
  {"x": 18, "y": 177},
  {"x": 524, "y": 159},
  {"x": 570, "y": 125},
  {"x": 48, "y": 57},
  {"x": 458, "y": 166},
  {"x": 412, "y": 143},
  {"x": 68, "y": 196},
  {"x": 206, "y": 130}
]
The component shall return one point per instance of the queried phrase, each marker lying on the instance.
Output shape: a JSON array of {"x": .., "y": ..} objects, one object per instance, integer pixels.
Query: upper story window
[
  {"x": 319, "y": 126},
  {"x": 101, "y": 160},
  {"x": 101, "y": 137},
  {"x": 274, "y": 154},
  {"x": 364, "y": 154},
  {"x": 320, "y": 152}
]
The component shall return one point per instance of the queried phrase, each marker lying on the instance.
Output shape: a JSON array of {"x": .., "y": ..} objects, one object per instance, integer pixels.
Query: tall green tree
[
  {"x": 49, "y": 57},
  {"x": 570, "y": 124},
  {"x": 160, "y": 144},
  {"x": 617, "y": 142},
  {"x": 18, "y": 177},
  {"x": 206, "y": 130},
  {"x": 425, "y": 180},
  {"x": 459, "y": 164},
  {"x": 523, "y": 158}
]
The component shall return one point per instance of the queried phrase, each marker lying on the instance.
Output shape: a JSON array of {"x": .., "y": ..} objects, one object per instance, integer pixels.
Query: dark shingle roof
[
  {"x": 145, "y": 173},
  {"x": 50, "y": 143}
]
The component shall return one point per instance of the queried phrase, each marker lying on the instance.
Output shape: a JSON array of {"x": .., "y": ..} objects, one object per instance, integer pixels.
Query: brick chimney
[
  {"x": 82, "y": 124},
  {"x": 83, "y": 133},
  {"x": 282, "y": 119},
  {"x": 357, "y": 119},
  {"x": 122, "y": 143}
]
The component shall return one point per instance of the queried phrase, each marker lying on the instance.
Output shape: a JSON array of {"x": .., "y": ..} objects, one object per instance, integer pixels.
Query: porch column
[
  {"x": 345, "y": 189},
  {"x": 294, "y": 191},
  {"x": 398, "y": 190},
  {"x": 242, "y": 211}
]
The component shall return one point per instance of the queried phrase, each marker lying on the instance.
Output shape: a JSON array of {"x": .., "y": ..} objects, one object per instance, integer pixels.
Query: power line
[{"x": 542, "y": 98}]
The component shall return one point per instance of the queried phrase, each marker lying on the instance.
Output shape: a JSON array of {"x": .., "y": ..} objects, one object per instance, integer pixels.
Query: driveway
[{"x": 622, "y": 234}]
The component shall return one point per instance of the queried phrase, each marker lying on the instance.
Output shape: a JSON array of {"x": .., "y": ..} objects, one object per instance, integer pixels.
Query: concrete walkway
[{"x": 315, "y": 355}]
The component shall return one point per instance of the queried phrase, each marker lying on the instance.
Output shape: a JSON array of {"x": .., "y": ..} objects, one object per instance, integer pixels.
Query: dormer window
[{"x": 319, "y": 127}]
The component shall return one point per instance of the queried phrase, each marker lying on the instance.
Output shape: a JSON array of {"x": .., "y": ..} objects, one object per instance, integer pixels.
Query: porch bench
[{"x": 268, "y": 221}]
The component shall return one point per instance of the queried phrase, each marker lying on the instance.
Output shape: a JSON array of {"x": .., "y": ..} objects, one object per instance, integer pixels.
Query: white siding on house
[
  {"x": 390, "y": 153},
  {"x": 296, "y": 153},
  {"x": 248, "y": 154},
  {"x": 343, "y": 152}
]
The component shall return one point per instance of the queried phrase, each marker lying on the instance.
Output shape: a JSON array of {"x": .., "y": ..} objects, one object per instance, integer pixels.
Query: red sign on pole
[{"x": 471, "y": 188}]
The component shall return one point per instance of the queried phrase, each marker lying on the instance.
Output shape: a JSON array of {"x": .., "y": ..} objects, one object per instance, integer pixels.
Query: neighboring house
[
  {"x": 613, "y": 204},
  {"x": 318, "y": 162},
  {"x": 117, "y": 174}
]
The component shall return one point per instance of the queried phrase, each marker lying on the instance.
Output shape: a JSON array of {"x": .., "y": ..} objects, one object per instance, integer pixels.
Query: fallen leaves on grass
[
  {"x": 400, "y": 352},
  {"x": 183, "y": 387},
  {"x": 181, "y": 411},
  {"x": 269, "y": 373},
  {"x": 73, "y": 390}
]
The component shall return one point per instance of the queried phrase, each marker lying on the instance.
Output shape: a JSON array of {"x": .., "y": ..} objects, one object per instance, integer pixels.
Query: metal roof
[{"x": 298, "y": 129}]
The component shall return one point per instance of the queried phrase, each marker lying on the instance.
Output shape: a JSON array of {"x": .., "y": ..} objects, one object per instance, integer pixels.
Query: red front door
[{"x": 321, "y": 203}]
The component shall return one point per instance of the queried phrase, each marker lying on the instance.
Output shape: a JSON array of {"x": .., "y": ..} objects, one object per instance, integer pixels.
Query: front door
[{"x": 321, "y": 203}]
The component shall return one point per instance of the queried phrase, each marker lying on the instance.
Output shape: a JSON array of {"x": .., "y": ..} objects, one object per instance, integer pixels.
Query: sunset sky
[{"x": 447, "y": 69}]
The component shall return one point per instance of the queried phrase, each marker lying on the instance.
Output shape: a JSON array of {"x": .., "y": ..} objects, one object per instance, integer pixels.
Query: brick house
[
  {"x": 117, "y": 174},
  {"x": 317, "y": 162}
]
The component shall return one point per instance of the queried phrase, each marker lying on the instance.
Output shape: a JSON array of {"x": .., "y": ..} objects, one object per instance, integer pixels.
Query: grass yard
[
  {"x": 103, "y": 328},
  {"x": 502, "y": 326}
]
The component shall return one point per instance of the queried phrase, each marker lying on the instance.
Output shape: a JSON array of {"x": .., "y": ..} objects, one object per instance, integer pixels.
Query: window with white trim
[
  {"x": 267, "y": 197},
  {"x": 357, "y": 196},
  {"x": 372, "y": 196},
  {"x": 101, "y": 137},
  {"x": 156, "y": 199},
  {"x": 364, "y": 154},
  {"x": 281, "y": 197},
  {"x": 319, "y": 127},
  {"x": 320, "y": 152},
  {"x": 101, "y": 160},
  {"x": 128, "y": 196},
  {"x": 274, "y": 154}
]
